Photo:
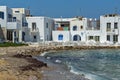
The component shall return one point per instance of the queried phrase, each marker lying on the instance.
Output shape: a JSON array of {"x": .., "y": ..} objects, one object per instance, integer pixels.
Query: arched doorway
[
  {"x": 76, "y": 38},
  {"x": 60, "y": 37}
]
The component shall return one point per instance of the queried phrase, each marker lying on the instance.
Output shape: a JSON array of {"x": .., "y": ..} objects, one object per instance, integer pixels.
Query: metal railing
[{"x": 13, "y": 20}]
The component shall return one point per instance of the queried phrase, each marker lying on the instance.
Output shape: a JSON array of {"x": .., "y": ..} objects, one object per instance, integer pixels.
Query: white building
[
  {"x": 40, "y": 28},
  {"x": 8, "y": 25},
  {"x": 110, "y": 27},
  {"x": 76, "y": 29},
  {"x": 17, "y": 25},
  {"x": 61, "y": 32},
  {"x": 20, "y": 14},
  {"x": 12, "y": 22}
]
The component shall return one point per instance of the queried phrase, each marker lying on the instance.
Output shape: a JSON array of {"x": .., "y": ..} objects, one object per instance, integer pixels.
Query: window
[
  {"x": 2, "y": 15},
  {"x": 90, "y": 37},
  {"x": 81, "y": 27},
  {"x": 116, "y": 25},
  {"x": 9, "y": 16},
  {"x": 24, "y": 24},
  {"x": 14, "y": 19},
  {"x": 17, "y": 11},
  {"x": 60, "y": 37},
  {"x": 115, "y": 38},
  {"x": 23, "y": 36},
  {"x": 97, "y": 38},
  {"x": 33, "y": 26},
  {"x": 108, "y": 26},
  {"x": 62, "y": 25},
  {"x": 34, "y": 37},
  {"x": 74, "y": 28},
  {"x": 110, "y": 15},
  {"x": 46, "y": 25},
  {"x": 108, "y": 37}
]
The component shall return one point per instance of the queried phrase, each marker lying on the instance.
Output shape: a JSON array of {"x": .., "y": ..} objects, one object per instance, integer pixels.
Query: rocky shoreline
[{"x": 17, "y": 63}]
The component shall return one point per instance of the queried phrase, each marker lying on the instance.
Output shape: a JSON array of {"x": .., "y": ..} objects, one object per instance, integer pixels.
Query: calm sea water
[{"x": 94, "y": 64}]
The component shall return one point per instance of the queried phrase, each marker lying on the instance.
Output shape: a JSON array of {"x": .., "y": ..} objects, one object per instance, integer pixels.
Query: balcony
[
  {"x": 35, "y": 30},
  {"x": 113, "y": 31},
  {"x": 12, "y": 20},
  {"x": 13, "y": 24}
]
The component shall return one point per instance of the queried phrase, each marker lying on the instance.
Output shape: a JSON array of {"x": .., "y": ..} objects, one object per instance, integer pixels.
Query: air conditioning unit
[
  {"x": 113, "y": 30},
  {"x": 116, "y": 31}
]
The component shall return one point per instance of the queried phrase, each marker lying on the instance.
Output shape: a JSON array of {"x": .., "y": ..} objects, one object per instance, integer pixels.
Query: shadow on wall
[{"x": 2, "y": 34}]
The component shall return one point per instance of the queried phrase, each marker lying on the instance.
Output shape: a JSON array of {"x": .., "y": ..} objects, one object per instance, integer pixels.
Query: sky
[{"x": 66, "y": 8}]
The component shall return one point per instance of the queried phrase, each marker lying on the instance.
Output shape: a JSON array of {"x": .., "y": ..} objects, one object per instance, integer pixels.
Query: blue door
[
  {"x": 76, "y": 38},
  {"x": 60, "y": 37}
]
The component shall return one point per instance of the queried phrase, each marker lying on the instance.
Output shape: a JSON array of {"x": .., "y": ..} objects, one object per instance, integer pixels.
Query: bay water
[{"x": 100, "y": 64}]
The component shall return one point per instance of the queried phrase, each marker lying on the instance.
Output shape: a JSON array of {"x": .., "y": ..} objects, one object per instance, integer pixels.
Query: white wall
[
  {"x": 39, "y": 25},
  {"x": 77, "y": 22},
  {"x": 21, "y": 10},
  {"x": 48, "y": 31},
  {"x": 66, "y": 36},
  {"x": 6, "y": 10},
  {"x": 103, "y": 23},
  {"x": 103, "y": 29},
  {"x": 13, "y": 25},
  {"x": 43, "y": 33}
]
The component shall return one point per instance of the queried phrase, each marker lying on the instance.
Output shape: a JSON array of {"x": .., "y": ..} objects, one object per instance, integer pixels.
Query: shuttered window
[{"x": 2, "y": 15}]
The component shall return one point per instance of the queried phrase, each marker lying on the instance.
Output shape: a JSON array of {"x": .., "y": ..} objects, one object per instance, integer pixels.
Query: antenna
[
  {"x": 61, "y": 18},
  {"x": 116, "y": 10},
  {"x": 79, "y": 12},
  {"x": 28, "y": 7}
]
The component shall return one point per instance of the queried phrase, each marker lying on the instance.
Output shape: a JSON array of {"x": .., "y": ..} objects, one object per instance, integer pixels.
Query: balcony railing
[
  {"x": 34, "y": 30},
  {"x": 24, "y": 24},
  {"x": 13, "y": 20},
  {"x": 93, "y": 28},
  {"x": 13, "y": 24}
]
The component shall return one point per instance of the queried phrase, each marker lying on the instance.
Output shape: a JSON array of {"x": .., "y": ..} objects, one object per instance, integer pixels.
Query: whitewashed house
[
  {"x": 17, "y": 25},
  {"x": 110, "y": 28},
  {"x": 13, "y": 26},
  {"x": 76, "y": 29},
  {"x": 40, "y": 28},
  {"x": 61, "y": 32},
  {"x": 20, "y": 14},
  {"x": 9, "y": 25}
]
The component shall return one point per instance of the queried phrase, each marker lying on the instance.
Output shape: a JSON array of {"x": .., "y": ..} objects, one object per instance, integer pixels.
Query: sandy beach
[
  {"x": 17, "y": 63},
  {"x": 19, "y": 67}
]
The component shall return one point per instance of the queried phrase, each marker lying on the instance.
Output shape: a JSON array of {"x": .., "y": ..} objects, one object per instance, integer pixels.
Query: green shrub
[{"x": 8, "y": 44}]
